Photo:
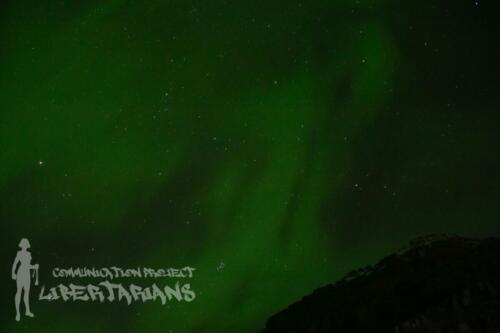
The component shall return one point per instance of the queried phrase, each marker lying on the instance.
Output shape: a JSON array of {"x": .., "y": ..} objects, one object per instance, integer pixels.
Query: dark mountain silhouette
[{"x": 438, "y": 284}]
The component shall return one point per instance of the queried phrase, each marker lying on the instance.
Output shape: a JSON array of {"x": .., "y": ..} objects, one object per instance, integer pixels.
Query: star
[{"x": 221, "y": 266}]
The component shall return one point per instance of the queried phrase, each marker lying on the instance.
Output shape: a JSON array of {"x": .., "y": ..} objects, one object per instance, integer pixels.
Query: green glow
[{"x": 290, "y": 143}]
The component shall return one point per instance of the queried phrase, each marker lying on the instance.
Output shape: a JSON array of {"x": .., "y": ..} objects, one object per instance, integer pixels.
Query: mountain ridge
[{"x": 440, "y": 283}]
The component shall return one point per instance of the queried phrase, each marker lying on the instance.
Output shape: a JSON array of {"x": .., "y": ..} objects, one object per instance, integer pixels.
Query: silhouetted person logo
[{"x": 23, "y": 277}]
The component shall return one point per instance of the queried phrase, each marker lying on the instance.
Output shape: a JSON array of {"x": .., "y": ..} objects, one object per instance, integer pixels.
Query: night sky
[{"x": 272, "y": 145}]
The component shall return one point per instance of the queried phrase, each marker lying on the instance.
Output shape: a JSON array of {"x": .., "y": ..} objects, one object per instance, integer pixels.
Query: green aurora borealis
[{"x": 274, "y": 146}]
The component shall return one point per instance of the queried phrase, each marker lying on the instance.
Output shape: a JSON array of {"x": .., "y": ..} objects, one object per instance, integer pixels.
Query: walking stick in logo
[
  {"x": 21, "y": 270},
  {"x": 35, "y": 274}
]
